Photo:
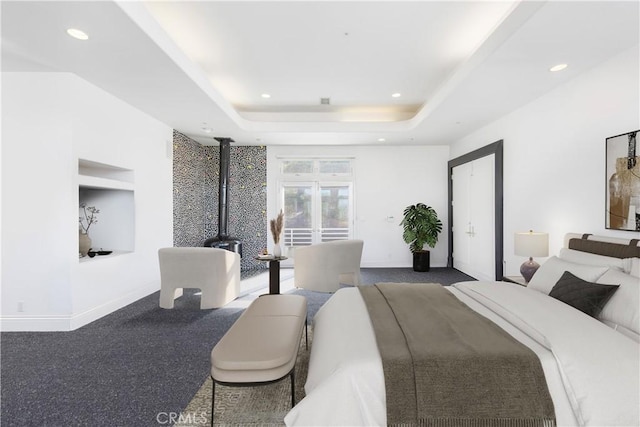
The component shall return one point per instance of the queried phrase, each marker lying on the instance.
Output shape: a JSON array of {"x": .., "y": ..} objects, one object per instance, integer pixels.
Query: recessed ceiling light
[
  {"x": 381, "y": 140},
  {"x": 265, "y": 95},
  {"x": 558, "y": 67},
  {"x": 78, "y": 34},
  {"x": 396, "y": 95}
]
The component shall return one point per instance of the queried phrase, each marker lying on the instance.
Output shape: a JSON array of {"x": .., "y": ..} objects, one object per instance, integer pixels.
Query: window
[
  {"x": 317, "y": 200},
  {"x": 297, "y": 167}
]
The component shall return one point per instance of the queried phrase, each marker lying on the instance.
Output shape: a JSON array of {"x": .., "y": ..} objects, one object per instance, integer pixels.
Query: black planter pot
[{"x": 421, "y": 261}]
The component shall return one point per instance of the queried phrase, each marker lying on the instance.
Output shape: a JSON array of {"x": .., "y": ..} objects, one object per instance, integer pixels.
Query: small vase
[
  {"x": 84, "y": 243},
  {"x": 277, "y": 250}
]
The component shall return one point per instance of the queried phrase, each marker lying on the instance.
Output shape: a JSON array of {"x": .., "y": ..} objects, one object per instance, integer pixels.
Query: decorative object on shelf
[
  {"x": 276, "y": 230},
  {"x": 623, "y": 182},
  {"x": 89, "y": 216},
  {"x": 421, "y": 226},
  {"x": 84, "y": 243},
  {"x": 100, "y": 252},
  {"x": 531, "y": 244}
]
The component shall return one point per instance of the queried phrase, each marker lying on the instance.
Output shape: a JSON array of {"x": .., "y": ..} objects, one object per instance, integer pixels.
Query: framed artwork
[{"x": 623, "y": 182}]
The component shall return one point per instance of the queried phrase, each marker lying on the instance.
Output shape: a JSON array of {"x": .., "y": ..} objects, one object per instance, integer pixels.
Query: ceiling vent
[{"x": 325, "y": 101}]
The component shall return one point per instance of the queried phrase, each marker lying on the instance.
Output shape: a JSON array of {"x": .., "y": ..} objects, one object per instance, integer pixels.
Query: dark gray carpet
[
  {"x": 134, "y": 366},
  {"x": 444, "y": 276}
]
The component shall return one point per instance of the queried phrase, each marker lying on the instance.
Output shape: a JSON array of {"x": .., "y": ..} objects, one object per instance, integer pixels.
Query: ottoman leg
[{"x": 293, "y": 387}]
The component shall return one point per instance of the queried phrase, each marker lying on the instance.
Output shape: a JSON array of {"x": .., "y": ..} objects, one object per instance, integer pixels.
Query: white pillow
[
  {"x": 550, "y": 272},
  {"x": 624, "y": 306},
  {"x": 587, "y": 258}
]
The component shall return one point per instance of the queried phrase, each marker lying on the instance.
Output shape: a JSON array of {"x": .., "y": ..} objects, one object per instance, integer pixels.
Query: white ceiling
[{"x": 198, "y": 65}]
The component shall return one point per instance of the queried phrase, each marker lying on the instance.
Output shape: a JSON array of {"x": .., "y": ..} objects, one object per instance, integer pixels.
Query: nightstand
[{"x": 515, "y": 279}]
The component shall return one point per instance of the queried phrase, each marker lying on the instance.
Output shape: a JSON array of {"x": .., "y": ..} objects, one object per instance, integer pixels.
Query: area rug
[{"x": 264, "y": 405}]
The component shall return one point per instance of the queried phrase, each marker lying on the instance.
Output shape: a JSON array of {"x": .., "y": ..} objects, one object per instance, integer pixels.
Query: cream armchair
[
  {"x": 322, "y": 267},
  {"x": 216, "y": 272}
]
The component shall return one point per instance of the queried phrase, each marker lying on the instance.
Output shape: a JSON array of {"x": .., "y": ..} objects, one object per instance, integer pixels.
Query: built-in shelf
[
  {"x": 103, "y": 183},
  {"x": 103, "y": 257},
  {"x": 111, "y": 189},
  {"x": 89, "y": 168}
]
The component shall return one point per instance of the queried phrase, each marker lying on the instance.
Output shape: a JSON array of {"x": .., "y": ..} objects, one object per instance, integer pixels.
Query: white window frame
[{"x": 317, "y": 180}]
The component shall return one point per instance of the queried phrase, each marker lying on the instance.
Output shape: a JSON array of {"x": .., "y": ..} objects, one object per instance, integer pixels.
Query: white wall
[
  {"x": 554, "y": 153},
  {"x": 50, "y": 120},
  {"x": 37, "y": 197},
  {"x": 387, "y": 179}
]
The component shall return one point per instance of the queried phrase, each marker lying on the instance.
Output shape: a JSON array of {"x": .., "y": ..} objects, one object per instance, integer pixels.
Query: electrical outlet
[{"x": 20, "y": 306}]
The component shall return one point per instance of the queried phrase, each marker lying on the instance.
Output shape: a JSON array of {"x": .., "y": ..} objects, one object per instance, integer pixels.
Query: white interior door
[
  {"x": 474, "y": 218},
  {"x": 461, "y": 218}
]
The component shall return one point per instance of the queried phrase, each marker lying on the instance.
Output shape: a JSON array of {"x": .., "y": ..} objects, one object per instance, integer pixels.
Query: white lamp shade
[{"x": 532, "y": 244}]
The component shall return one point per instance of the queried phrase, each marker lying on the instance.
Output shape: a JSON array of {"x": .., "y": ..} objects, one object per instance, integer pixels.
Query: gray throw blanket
[{"x": 446, "y": 365}]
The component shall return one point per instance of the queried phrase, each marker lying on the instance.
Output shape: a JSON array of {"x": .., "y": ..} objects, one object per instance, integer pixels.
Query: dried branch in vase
[
  {"x": 89, "y": 218},
  {"x": 276, "y": 227}
]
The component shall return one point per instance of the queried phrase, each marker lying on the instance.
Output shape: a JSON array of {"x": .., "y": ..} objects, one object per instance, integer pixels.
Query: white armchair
[
  {"x": 322, "y": 267},
  {"x": 216, "y": 272}
]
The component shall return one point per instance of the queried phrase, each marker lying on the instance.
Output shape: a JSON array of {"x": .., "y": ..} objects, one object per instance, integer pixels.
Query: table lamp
[{"x": 531, "y": 244}]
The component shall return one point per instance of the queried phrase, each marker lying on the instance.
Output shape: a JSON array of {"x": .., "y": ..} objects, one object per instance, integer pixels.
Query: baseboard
[
  {"x": 34, "y": 323},
  {"x": 95, "y": 313},
  {"x": 51, "y": 323}
]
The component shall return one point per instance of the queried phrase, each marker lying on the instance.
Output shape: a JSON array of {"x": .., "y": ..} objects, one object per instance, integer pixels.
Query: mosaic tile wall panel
[
  {"x": 188, "y": 191},
  {"x": 198, "y": 169},
  {"x": 248, "y": 213},
  {"x": 247, "y": 199}
]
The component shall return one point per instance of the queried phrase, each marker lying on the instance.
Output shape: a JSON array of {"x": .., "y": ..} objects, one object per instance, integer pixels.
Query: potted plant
[{"x": 421, "y": 226}]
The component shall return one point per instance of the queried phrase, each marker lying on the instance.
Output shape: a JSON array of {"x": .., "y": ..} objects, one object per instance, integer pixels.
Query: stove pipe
[{"x": 222, "y": 240}]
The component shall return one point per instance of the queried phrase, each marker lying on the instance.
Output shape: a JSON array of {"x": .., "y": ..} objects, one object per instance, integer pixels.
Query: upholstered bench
[{"x": 261, "y": 347}]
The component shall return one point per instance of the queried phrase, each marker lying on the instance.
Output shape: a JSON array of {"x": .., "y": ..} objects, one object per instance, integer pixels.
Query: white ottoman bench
[{"x": 261, "y": 347}]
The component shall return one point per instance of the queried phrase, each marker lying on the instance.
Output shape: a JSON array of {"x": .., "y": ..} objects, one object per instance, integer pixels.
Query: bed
[{"x": 591, "y": 364}]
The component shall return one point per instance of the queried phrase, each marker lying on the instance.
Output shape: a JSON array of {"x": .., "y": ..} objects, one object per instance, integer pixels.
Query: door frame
[{"x": 496, "y": 149}]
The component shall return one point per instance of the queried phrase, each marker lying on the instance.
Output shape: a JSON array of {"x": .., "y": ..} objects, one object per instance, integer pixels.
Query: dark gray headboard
[{"x": 602, "y": 245}]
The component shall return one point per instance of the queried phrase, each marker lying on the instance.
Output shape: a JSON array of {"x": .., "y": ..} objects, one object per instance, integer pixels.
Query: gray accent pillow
[{"x": 585, "y": 296}]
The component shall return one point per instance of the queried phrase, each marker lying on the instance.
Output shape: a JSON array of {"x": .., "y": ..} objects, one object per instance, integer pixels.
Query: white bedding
[{"x": 592, "y": 371}]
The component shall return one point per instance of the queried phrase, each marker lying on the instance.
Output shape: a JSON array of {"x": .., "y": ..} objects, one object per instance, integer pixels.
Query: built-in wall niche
[
  {"x": 110, "y": 189},
  {"x": 101, "y": 175}
]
